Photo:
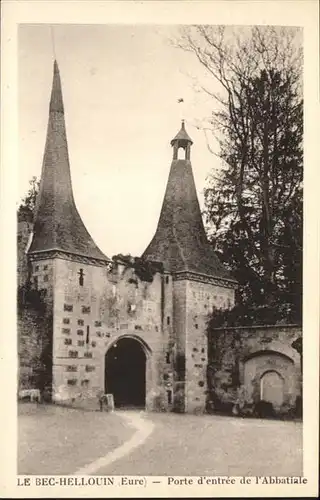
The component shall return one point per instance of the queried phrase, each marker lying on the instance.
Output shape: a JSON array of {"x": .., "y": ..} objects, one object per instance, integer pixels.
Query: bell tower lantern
[{"x": 181, "y": 140}]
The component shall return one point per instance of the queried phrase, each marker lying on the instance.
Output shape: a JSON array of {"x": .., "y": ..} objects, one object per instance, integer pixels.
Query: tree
[
  {"x": 35, "y": 321},
  {"x": 253, "y": 206},
  {"x": 28, "y": 203}
]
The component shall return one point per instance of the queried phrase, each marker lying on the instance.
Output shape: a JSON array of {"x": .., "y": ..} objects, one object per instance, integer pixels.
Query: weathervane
[{"x": 180, "y": 100}]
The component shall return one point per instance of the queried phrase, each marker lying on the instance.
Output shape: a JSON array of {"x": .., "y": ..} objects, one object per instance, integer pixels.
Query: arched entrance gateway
[{"x": 125, "y": 373}]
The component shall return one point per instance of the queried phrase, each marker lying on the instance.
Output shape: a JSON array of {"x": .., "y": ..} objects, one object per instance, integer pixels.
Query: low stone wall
[{"x": 254, "y": 369}]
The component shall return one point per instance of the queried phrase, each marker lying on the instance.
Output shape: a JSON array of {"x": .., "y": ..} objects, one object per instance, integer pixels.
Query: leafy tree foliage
[
  {"x": 144, "y": 269},
  {"x": 34, "y": 314},
  {"x": 27, "y": 205},
  {"x": 254, "y": 204}
]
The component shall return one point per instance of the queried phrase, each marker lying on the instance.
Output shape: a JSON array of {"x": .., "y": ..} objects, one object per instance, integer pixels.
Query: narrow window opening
[
  {"x": 81, "y": 277},
  {"x": 167, "y": 279},
  {"x": 168, "y": 320},
  {"x": 168, "y": 357},
  {"x": 169, "y": 395},
  {"x": 88, "y": 335}
]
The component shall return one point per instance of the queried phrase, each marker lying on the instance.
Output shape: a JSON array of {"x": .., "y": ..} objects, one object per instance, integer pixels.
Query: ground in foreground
[
  {"x": 57, "y": 440},
  {"x": 208, "y": 445}
]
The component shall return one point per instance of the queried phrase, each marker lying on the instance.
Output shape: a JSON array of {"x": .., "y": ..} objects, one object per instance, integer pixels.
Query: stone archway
[{"x": 125, "y": 373}]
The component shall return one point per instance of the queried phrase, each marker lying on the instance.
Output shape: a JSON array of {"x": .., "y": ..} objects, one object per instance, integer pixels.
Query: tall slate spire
[
  {"x": 57, "y": 223},
  {"x": 180, "y": 240}
]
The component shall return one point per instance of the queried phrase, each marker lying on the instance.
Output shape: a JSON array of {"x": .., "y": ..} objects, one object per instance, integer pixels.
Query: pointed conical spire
[
  {"x": 56, "y": 101},
  {"x": 180, "y": 240},
  {"x": 57, "y": 223}
]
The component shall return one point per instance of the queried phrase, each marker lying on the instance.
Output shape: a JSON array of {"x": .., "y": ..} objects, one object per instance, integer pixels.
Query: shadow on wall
[
  {"x": 231, "y": 404},
  {"x": 235, "y": 402}
]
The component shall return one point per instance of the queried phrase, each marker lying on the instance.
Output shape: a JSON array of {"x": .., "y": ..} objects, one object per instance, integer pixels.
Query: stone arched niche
[
  {"x": 272, "y": 388},
  {"x": 271, "y": 376}
]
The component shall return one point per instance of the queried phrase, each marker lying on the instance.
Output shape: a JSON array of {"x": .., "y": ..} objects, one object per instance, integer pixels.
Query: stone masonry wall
[
  {"x": 201, "y": 298},
  {"x": 179, "y": 332},
  {"x": 240, "y": 357},
  {"x": 166, "y": 360},
  {"x": 88, "y": 319}
]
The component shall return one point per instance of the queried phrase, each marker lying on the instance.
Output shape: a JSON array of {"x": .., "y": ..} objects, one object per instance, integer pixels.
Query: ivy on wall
[
  {"x": 35, "y": 332},
  {"x": 242, "y": 315},
  {"x": 30, "y": 298}
]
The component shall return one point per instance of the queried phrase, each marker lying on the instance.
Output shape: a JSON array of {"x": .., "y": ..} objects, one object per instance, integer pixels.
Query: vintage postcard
[{"x": 160, "y": 266}]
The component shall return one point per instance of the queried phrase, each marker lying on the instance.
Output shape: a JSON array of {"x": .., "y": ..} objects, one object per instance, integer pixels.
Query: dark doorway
[{"x": 125, "y": 373}]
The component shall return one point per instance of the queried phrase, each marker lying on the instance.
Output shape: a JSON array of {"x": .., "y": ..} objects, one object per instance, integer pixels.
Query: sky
[{"x": 121, "y": 86}]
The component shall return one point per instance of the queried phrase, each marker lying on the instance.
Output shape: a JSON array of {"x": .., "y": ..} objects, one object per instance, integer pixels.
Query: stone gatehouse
[{"x": 133, "y": 327}]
